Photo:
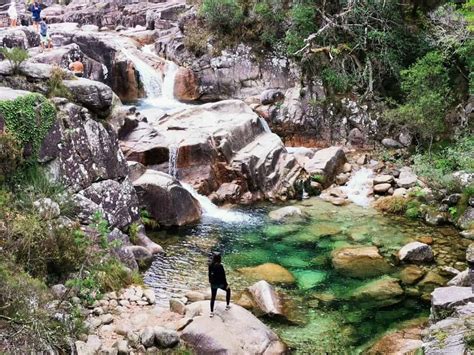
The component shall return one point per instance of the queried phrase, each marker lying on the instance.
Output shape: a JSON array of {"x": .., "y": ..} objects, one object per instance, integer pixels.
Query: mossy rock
[
  {"x": 293, "y": 261},
  {"x": 307, "y": 279},
  {"x": 280, "y": 230},
  {"x": 247, "y": 257}
]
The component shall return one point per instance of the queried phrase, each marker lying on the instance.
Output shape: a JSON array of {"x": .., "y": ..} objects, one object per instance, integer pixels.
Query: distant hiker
[
  {"x": 44, "y": 35},
  {"x": 35, "y": 9},
  {"x": 13, "y": 14},
  {"x": 217, "y": 280},
  {"x": 77, "y": 67}
]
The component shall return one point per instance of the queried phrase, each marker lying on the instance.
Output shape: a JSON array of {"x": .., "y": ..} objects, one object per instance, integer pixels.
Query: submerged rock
[
  {"x": 411, "y": 274},
  {"x": 166, "y": 200},
  {"x": 416, "y": 252},
  {"x": 307, "y": 279},
  {"x": 236, "y": 331},
  {"x": 359, "y": 262},
  {"x": 286, "y": 213},
  {"x": 269, "y": 272},
  {"x": 379, "y": 293}
]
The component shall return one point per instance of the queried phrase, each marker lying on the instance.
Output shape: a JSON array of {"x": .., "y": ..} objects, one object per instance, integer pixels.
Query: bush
[
  {"x": 16, "y": 56},
  {"x": 339, "y": 83},
  {"x": 56, "y": 87},
  {"x": 11, "y": 155},
  {"x": 195, "y": 39},
  {"x": 222, "y": 15},
  {"x": 303, "y": 23}
]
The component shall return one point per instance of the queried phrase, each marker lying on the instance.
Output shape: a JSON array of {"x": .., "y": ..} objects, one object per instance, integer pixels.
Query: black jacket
[{"x": 216, "y": 274}]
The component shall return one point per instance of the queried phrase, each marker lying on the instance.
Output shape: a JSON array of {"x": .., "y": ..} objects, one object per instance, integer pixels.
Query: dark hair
[{"x": 216, "y": 258}]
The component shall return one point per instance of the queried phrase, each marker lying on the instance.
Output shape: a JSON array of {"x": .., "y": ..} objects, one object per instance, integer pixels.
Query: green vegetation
[
  {"x": 222, "y": 15},
  {"x": 29, "y": 118},
  {"x": 16, "y": 56},
  {"x": 56, "y": 87}
]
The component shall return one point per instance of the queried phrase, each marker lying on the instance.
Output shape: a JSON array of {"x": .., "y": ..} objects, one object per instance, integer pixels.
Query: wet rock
[
  {"x": 411, "y": 274},
  {"x": 228, "y": 192},
  {"x": 186, "y": 85},
  {"x": 435, "y": 218},
  {"x": 416, "y": 252},
  {"x": 307, "y": 279},
  {"x": 379, "y": 293},
  {"x": 141, "y": 254},
  {"x": 287, "y": 213},
  {"x": 431, "y": 281},
  {"x": 266, "y": 299},
  {"x": 224, "y": 333},
  {"x": 466, "y": 221},
  {"x": 426, "y": 239},
  {"x": 269, "y": 272},
  {"x": 177, "y": 306},
  {"x": 469, "y": 234},
  {"x": 445, "y": 299},
  {"x": 166, "y": 338},
  {"x": 451, "y": 200},
  {"x": 359, "y": 262},
  {"x": 391, "y": 143},
  {"x": 166, "y": 200}
]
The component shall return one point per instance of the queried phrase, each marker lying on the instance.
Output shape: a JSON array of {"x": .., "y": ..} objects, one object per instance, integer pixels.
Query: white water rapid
[
  {"x": 359, "y": 187},
  {"x": 173, "y": 160},
  {"x": 210, "y": 210}
]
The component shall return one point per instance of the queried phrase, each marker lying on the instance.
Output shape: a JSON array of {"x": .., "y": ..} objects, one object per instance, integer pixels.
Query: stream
[{"x": 324, "y": 316}]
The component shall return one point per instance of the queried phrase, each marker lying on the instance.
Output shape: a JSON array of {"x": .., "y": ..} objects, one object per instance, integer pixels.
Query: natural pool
[{"x": 330, "y": 311}]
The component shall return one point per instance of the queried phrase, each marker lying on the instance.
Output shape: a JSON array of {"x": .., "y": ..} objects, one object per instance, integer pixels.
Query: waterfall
[
  {"x": 359, "y": 187},
  {"x": 173, "y": 160},
  {"x": 149, "y": 76},
  {"x": 264, "y": 124},
  {"x": 212, "y": 211},
  {"x": 304, "y": 194},
  {"x": 168, "y": 82}
]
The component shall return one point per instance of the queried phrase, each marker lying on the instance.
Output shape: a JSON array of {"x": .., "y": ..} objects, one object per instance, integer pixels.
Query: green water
[{"x": 325, "y": 316}]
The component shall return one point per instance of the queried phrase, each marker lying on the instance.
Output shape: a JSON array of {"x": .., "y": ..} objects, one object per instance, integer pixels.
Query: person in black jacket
[{"x": 218, "y": 280}]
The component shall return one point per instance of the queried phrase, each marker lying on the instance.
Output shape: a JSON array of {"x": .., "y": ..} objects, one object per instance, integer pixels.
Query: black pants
[{"x": 214, "y": 294}]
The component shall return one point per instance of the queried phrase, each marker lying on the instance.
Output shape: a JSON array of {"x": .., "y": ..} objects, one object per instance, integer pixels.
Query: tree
[{"x": 16, "y": 56}]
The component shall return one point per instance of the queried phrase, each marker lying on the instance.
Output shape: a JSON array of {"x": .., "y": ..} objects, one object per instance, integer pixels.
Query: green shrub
[
  {"x": 11, "y": 155},
  {"x": 16, "y": 56},
  {"x": 56, "y": 87},
  {"x": 222, "y": 15},
  {"x": 303, "y": 23},
  {"x": 413, "y": 209},
  {"x": 29, "y": 118},
  {"x": 195, "y": 39},
  {"x": 339, "y": 83}
]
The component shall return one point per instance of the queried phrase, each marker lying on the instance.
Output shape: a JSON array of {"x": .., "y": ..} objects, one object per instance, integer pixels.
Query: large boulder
[
  {"x": 359, "y": 262},
  {"x": 270, "y": 272},
  {"x": 186, "y": 86},
  {"x": 466, "y": 221},
  {"x": 416, "y": 252},
  {"x": 287, "y": 213},
  {"x": 166, "y": 200},
  {"x": 93, "y": 95},
  {"x": 407, "y": 178},
  {"x": 445, "y": 299},
  {"x": 236, "y": 331},
  {"x": 327, "y": 162}
]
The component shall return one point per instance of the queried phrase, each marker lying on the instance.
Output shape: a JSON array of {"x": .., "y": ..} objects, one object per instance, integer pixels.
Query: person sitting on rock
[
  {"x": 35, "y": 9},
  {"x": 217, "y": 280},
  {"x": 44, "y": 35},
  {"x": 13, "y": 14},
  {"x": 77, "y": 67}
]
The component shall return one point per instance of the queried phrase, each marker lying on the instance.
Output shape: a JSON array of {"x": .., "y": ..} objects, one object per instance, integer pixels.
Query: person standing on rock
[
  {"x": 217, "y": 280},
  {"x": 13, "y": 14},
  {"x": 44, "y": 35},
  {"x": 77, "y": 67},
  {"x": 35, "y": 9}
]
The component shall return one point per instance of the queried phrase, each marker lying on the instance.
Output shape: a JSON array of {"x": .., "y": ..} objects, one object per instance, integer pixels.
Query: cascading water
[
  {"x": 264, "y": 124},
  {"x": 173, "y": 160},
  {"x": 304, "y": 194},
  {"x": 149, "y": 77},
  {"x": 210, "y": 210},
  {"x": 359, "y": 187}
]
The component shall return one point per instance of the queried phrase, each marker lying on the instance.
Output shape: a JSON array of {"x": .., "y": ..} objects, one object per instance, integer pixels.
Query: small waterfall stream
[
  {"x": 173, "y": 160},
  {"x": 359, "y": 187},
  {"x": 264, "y": 124}
]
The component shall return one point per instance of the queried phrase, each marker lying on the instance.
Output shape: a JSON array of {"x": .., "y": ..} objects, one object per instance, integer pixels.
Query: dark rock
[
  {"x": 271, "y": 96},
  {"x": 356, "y": 137},
  {"x": 416, "y": 252},
  {"x": 451, "y": 200},
  {"x": 391, "y": 143},
  {"x": 93, "y": 95}
]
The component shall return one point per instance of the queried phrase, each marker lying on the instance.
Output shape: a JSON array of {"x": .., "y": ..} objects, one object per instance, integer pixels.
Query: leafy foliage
[
  {"x": 426, "y": 86},
  {"x": 222, "y": 15},
  {"x": 11, "y": 155},
  {"x": 56, "y": 87},
  {"x": 16, "y": 56},
  {"x": 29, "y": 118}
]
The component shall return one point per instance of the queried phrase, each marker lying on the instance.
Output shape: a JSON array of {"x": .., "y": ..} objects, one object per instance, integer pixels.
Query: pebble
[{"x": 124, "y": 303}]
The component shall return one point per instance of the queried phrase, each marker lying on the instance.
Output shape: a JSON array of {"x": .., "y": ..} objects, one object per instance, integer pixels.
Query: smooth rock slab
[
  {"x": 236, "y": 331},
  {"x": 445, "y": 299},
  {"x": 416, "y": 252},
  {"x": 359, "y": 262},
  {"x": 270, "y": 272}
]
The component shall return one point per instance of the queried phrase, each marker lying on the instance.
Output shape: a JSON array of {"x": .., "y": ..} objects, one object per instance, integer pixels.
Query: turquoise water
[{"x": 328, "y": 312}]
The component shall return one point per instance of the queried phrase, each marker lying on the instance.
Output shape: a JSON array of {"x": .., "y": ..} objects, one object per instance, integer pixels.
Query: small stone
[
  {"x": 122, "y": 347},
  {"x": 76, "y": 300},
  {"x": 451, "y": 200},
  {"x": 391, "y": 143},
  {"x": 138, "y": 292},
  {"x": 411, "y": 274},
  {"x": 426, "y": 239},
  {"x": 147, "y": 337},
  {"x": 347, "y": 168},
  {"x": 362, "y": 159},
  {"x": 194, "y": 296},
  {"x": 105, "y": 350},
  {"x": 113, "y": 303},
  {"x": 177, "y": 306},
  {"x": 342, "y": 179},
  {"x": 98, "y": 311},
  {"x": 58, "y": 291},
  {"x": 182, "y": 323},
  {"x": 400, "y": 192},
  {"x": 416, "y": 252},
  {"x": 462, "y": 279},
  {"x": 383, "y": 179},
  {"x": 133, "y": 338},
  {"x": 122, "y": 329},
  {"x": 149, "y": 294},
  {"x": 142, "y": 303},
  {"x": 106, "y": 318},
  {"x": 124, "y": 303},
  {"x": 382, "y": 188}
]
